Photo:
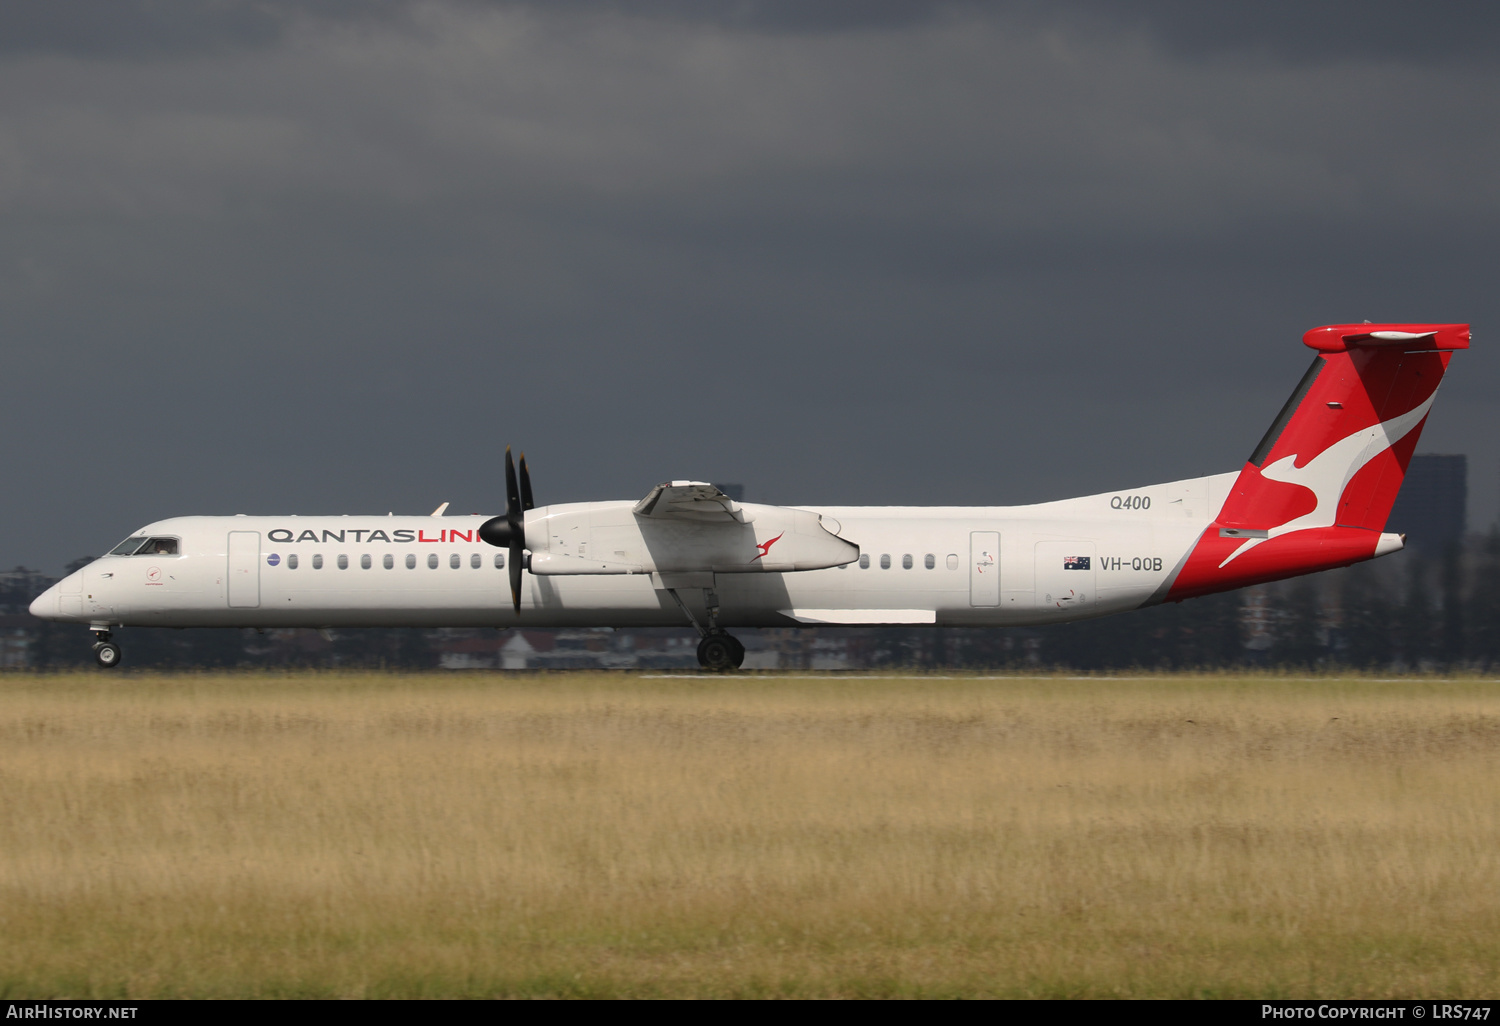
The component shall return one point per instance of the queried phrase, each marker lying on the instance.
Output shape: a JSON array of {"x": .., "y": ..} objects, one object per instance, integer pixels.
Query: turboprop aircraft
[{"x": 1314, "y": 495}]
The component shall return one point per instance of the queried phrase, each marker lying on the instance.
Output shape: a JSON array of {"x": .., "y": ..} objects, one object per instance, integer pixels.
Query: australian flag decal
[{"x": 1075, "y": 562}]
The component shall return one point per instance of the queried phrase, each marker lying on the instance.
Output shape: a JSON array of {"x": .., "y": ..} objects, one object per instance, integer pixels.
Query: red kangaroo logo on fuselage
[{"x": 766, "y": 547}]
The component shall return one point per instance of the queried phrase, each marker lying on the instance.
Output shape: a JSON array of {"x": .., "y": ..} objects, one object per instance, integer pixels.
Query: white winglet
[{"x": 1401, "y": 336}]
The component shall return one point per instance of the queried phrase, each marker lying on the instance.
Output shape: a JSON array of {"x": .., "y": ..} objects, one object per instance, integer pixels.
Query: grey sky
[{"x": 289, "y": 258}]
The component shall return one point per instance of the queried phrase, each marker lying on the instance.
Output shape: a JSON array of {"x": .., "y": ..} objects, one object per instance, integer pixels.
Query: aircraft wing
[
  {"x": 696, "y": 501},
  {"x": 683, "y": 527}
]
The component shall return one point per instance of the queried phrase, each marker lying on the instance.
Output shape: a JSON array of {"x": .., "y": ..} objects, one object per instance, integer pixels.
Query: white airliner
[{"x": 1314, "y": 495}]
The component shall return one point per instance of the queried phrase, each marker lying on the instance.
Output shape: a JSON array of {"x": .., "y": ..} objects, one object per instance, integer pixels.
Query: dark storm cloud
[
  {"x": 1282, "y": 28},
  {"x": 308, "y": 260},
  {"x": 133, "y": 28},
  {"x": 1332, "y": 31}
]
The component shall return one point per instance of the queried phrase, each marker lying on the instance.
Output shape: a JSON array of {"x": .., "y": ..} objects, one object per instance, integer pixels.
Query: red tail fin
[{"x": 1316, "y": 492}]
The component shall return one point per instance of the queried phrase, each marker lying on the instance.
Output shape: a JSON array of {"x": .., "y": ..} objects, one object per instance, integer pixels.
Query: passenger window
[
  {"x": 499, "y": 561},
  {"x": 475, "y": 561},
  {"x": 343, "y": 561},
  {"x": 906, "y": 561},
  {"x": 411, "y": 562},
  {"x": 432, "y": 561},
  {"x": 952, "y": 561},
  {"x": 364, "y": 561},
  {"x": 454, "y": 561},
  {"x": 291, "y": 561},
  {"x": 929, "y": 561},
  {"x": 885, "y": 561},
  {"x": 389, "y": 561},
  {"x": 864, "y": 561},
  {"x": 317, "y": 562}
]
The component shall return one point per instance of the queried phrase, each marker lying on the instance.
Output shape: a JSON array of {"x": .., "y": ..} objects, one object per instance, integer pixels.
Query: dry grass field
[{"x": 614, "y": 835}]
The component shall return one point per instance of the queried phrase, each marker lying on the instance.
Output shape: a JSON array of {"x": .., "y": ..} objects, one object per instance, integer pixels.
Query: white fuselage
[{"x": 961, "y": 566}]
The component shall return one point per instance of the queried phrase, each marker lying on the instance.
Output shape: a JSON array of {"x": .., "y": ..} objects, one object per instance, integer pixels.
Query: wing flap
[{"x": 851, "y": 617}]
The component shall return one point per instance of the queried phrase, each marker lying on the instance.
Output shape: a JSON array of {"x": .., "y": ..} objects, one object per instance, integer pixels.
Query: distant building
[
  {"x": 1256, "y": 616},
  {"x": 1431, "y": 507},
  {"x": 567, "y": 649}
]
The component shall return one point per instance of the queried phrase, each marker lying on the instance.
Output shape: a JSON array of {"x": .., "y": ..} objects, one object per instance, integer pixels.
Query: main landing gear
[
  {"x": 719, "y": 650},
  {"x": 106, "y": 652}
]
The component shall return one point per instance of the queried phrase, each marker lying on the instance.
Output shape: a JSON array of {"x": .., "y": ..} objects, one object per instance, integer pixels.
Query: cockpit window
[{"x": 142, "y": 546}]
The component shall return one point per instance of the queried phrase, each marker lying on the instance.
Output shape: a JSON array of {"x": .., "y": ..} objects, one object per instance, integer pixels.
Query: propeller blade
[
  {"x": 526, "y": 502},
  {"x": 509, "y": 531},
  {"x": 512, "y": 493}
]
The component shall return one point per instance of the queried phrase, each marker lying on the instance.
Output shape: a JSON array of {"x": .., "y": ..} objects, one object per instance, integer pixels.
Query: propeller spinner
[{"x": 508, "y": 531}]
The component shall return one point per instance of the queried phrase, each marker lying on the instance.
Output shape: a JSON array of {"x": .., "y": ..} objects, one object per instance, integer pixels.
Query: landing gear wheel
[
  {"x": 739, "y": 651},
  {"x": 719, "y": 652},
  {"x": 107, "y": 653}
]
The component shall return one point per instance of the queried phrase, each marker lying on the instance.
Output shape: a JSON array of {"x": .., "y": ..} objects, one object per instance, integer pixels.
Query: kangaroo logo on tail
[{"x": 1327, "y": 474}]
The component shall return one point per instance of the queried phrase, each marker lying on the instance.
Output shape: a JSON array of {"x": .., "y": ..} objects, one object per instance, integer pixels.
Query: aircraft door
[
  {"x": 244, "y": 569},
  {"x": 1064, "y": 575},
  {"x": 70, "y": 594},
  {"x": 984, "y": 568}
]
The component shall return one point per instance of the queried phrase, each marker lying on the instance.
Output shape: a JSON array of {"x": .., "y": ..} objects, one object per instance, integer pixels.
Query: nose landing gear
[{"x": 106, "y": 652}]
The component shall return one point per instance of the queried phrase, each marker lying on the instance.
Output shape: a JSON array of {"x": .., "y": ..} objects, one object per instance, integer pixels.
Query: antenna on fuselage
[{"x": 439, "y": 511}]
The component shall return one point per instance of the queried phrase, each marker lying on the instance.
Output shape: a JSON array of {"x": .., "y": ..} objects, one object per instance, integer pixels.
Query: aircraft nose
[{"x": 45, "y": 606}]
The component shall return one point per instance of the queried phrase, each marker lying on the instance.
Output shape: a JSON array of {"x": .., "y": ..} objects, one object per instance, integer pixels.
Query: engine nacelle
[{"x": 610, "y": 538}]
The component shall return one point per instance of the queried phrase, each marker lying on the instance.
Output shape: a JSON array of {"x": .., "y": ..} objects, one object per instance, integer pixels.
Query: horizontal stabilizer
[{"x": 1339, "y": 338}]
